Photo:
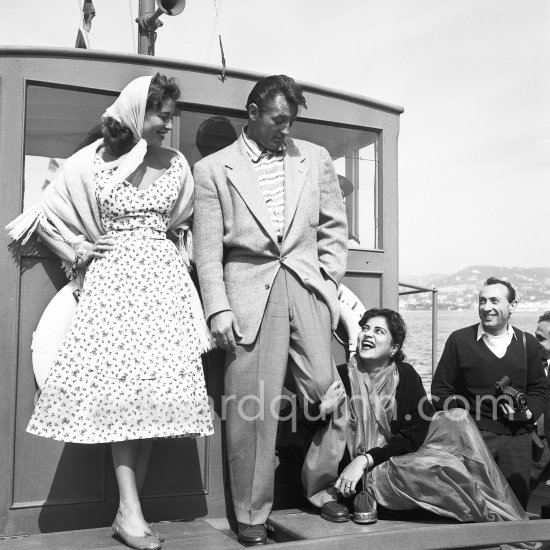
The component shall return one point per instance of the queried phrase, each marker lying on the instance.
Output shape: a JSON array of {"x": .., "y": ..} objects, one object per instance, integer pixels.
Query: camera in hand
[{"x": 519, "y": 401}]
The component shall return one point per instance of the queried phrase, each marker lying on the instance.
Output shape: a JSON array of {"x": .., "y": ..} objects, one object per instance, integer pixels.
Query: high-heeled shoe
[
  {"x": 157, "y": 534},
  {"x": 147, "y": 542}
]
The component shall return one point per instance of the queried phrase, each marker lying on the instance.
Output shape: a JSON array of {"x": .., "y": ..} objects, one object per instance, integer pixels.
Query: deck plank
[
  {"x": 310, "y": 531},
  {"x": 179, "y": 536}
]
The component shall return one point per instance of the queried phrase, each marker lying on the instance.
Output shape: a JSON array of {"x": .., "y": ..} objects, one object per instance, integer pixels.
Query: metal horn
[{"x": 171, "y": 7}]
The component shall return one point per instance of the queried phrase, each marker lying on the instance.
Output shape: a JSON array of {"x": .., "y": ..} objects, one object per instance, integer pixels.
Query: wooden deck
[
  {"x": 309, "y": 531},
  {"x": 180, "y": 536},
  {"x": 298, "y": 529},
  {"x": 304, "y": 530}
]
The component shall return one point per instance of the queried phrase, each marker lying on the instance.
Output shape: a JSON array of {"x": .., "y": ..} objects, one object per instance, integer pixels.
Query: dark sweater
[{"x": 468, "y": 368}]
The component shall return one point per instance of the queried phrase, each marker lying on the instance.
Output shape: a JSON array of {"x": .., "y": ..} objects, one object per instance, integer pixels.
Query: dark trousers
[{"x": 512, "y": 453}]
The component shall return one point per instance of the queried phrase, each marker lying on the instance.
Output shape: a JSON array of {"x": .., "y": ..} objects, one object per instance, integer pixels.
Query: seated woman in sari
[{"x": 415, "y": 459}]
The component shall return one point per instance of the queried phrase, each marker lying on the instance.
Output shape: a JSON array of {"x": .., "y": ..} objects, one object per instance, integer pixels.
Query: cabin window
[
  {"x": 353, "y": 150},
  {"x": 355, "y": 156},
  {"x": 57, "y": 121}
]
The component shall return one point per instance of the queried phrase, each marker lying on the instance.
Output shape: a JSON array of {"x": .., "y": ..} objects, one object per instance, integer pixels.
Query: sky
[{"x": 472, "y": 75}]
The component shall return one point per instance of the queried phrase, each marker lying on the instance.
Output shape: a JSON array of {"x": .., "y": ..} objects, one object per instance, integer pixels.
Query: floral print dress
[{"x": 130, "y": 366}]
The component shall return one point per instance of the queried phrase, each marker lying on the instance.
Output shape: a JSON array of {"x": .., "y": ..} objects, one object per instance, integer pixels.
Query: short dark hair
[
  {"x": 117, "y": 136},
  {"x": 271, "y": 86},
  {"x": 396, "y": 324},
  {"x": 495, "y": 281},
  {"x": 544, "y": 317}
]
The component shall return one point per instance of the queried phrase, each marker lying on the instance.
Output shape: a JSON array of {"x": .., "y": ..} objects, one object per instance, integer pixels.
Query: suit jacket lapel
[
  {"x": 241, "y": 174},
  {"x": 296, "y": 168}
]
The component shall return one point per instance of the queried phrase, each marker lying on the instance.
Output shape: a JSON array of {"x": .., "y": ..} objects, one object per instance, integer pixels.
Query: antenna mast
[{"x": 148, "y": 21}]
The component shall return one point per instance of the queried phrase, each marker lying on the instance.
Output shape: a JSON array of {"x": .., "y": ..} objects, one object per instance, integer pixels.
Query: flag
[
  {"x": 53, "y": 168},
  {"x": 81, "y": 40},
  {"x": 88, "y": 13}
]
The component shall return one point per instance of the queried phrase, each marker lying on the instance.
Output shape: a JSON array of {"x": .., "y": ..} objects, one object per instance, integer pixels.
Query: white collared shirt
[{"x": 497, "y": 344}]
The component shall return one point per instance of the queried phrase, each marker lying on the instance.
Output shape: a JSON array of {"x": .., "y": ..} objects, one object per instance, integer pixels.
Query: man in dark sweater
[{"x": 473, "y": 360}]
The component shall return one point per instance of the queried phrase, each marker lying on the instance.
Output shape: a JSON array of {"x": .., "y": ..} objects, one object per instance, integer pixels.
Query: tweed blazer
[{"x": 235, "y": 245}]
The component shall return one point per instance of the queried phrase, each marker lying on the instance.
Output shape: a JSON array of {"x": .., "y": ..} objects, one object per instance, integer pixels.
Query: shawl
[
  {"x": 371, "y": 407},
  {"x": 68, "y": 210}
]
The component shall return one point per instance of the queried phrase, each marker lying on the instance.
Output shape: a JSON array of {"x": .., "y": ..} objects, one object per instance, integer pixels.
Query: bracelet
[
  {"x": 74, "y": 265},
  {"x": 370, "y": 460}
]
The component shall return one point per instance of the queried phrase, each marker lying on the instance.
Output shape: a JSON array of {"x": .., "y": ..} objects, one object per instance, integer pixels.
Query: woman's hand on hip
[
  {"x": 105, "y": 243},
  {"x": 352, "y": 473}
]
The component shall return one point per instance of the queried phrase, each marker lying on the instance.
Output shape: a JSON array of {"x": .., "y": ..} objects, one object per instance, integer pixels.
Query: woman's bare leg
[{"x": 125, "y": 459}]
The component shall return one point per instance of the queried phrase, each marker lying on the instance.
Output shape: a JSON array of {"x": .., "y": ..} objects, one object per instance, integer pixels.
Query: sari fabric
[
  {"x": 452, "y": 474},
  {"x": 371, "y": 408}
]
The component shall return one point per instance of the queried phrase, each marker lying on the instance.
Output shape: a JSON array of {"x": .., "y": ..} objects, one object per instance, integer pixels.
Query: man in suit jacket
[{"x": 270, "y": 244}]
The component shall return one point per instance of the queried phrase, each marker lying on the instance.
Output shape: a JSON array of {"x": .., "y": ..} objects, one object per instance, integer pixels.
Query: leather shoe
[
  {"x": 252, "y": 535},
  {"x": 335, "y": 512}
]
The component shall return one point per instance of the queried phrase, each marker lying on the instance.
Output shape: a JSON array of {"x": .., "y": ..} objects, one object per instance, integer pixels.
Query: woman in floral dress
[{"x": 130, "y": 367}]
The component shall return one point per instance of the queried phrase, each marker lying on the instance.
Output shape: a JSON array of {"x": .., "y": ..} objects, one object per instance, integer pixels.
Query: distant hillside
[{"x": 460, "y": 290}]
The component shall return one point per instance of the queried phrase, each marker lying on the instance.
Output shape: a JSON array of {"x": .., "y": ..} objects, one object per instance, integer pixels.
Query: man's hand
[
  {"x": 225, "y": 330},
  {"x": 514, "y": 416}
]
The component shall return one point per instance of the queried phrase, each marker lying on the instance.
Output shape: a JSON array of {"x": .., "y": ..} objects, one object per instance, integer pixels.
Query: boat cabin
[{"x": 49, "y": 100}]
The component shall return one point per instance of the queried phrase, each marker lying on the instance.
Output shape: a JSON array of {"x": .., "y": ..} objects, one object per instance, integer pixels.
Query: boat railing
[{"x": 415, "y": 289}]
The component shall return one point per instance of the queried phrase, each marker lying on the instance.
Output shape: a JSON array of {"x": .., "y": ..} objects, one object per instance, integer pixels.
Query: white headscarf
[{"x": 129, "y": 109}]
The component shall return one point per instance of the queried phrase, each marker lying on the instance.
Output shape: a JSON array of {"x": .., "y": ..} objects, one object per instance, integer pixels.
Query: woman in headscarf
[
  {"x": 130, "y": 368},
  {"x": 415, "y": 459}
]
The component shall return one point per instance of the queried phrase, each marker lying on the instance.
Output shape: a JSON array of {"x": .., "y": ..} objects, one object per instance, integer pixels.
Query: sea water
[{"x": 418, "y": 345}]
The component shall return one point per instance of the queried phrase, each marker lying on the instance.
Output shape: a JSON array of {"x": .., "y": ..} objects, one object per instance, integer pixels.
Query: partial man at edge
[{"x": 542, "y": 335}]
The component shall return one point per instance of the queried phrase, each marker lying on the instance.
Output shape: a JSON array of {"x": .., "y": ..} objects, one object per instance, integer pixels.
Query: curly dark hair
[
  {"x": 118, "y": 137},
  {"x": 545, "y": 317},
  {"x": 162, "y": 88},
  {"x": 396, "y": 324},
  {"x": 271, "y": 86},
  {"x": 93, "y": 135}
]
